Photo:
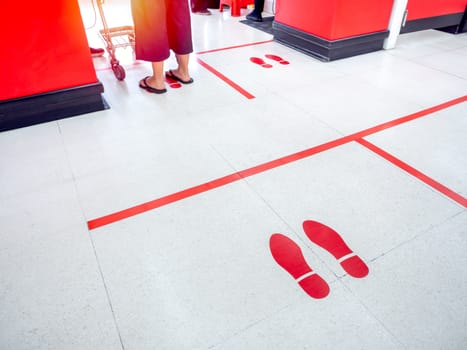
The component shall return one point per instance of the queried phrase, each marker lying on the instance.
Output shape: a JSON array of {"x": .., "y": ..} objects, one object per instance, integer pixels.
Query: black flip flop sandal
[
  {"x": 171, "y": 75},
  {"x": 144, "y": 85}
]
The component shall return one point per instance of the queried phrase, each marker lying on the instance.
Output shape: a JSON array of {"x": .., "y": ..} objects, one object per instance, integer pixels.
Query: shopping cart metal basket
[{"x": 114, "y": 38}]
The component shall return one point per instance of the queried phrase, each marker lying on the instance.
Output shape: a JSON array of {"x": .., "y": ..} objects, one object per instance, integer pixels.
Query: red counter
[
  {"x": 46, "y": 68},
  {"x": 332, "y": 29},
  {"x": 449, "y": 15}
]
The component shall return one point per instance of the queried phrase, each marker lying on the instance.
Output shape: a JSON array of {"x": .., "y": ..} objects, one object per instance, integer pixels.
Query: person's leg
[
  {"x": 156, "y": 81},
  {"x": 180, "y": 39},
  {"x": 182, "y": 71},
  {"x": 152, "y": 43},
  {"x": 200, "y": 7},
  {"x": 259, "y": 6},
  {"x": 194, "y": 5},
  {"x": 255, "y": 15}
]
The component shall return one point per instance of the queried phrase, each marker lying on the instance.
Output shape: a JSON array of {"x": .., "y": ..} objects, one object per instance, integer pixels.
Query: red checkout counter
[
  {"x": 46, "y": 70},
  {"x": 334, "y": 29},
  {"x": 446, "y": 15}
]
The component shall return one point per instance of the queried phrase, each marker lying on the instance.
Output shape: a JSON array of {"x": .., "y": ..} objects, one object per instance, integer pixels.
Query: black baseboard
[
  {"x": 459, "y": 28},
  {"x": 328, "y": 50},
  {"x": 453, "y": 23},
  {"x": 41, "y": 108}
]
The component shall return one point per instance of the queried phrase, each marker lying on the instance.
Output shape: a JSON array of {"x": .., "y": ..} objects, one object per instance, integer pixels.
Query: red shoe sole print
[
  {"x": 290, "y": 257},
  {"x": 260, "y": 62},
  {"x": 277, "y": 58},
  {"x": 331, "y": 241}
]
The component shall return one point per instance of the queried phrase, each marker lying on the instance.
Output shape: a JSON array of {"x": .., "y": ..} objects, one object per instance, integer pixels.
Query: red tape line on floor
[
  {"x": 192, "y": 191},
  {"x": 225, "y": 79},
  {"x": 414, "y": 172},
  {"x": 234, "y": 47}
]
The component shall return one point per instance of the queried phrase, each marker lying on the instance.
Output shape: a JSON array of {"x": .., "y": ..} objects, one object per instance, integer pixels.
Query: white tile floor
[{"x": 197, "y": 272}]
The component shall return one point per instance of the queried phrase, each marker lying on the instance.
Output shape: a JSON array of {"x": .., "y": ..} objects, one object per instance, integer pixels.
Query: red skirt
[{"x": 161, "y": 26}]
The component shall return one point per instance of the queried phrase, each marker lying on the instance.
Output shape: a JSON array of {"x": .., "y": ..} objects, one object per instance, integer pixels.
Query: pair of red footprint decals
[
  {"x": 262, "y": 63},
  {"x": 290, "y": 257},
  {"x": 172, "y": 83}
]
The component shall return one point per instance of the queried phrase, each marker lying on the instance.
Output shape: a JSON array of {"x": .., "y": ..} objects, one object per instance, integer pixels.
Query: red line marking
[
  {"x": 234, "y": 47},
  {"x": 192, "y": 191},
  {"x": 409, "y": 117},
  {"x": 129, "y": 65},
  {"x": 225, "y": 79},
  {"x": 414, "y": 172},
  {"x": 162, "y": 201},
  {"x": 137, "y": 62}
]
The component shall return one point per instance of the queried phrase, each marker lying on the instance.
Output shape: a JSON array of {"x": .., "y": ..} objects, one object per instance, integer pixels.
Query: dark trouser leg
[
  {"x": 179, "y": 26},
  {"x": 255, "y": 15},
  {"x": 259, "y": 6},
  {"x": 198, "y": 5}
]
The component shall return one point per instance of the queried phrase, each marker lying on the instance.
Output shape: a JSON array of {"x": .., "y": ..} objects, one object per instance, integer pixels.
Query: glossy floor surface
[{"x": 148, "y": 225}]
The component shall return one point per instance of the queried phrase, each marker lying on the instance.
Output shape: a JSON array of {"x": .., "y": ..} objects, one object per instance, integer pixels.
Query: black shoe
[
  {"x": 204, "y": 12},
  {"x": 255, "y": 17}
]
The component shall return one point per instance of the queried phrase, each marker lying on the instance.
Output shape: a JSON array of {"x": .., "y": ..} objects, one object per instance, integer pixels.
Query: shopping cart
[{"x": 114, "y": 38}]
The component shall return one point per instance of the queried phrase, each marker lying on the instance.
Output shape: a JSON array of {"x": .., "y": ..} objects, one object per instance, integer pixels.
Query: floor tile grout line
[
  {"x": 414, "y": 172},
  {"x": 109, "y": 301},
  {"x": 91, "y": 240},
  {"x": 222, "y": 181},
  {"x": 390, "y": 251},
  {"x": 249, "y": 326},
  {"x": 128, "y": 66},
  {"x": 255, "y": 192},
  {"x": 275, "y": 213},
  {"x": 416, "y": 61},
  {"x": 419, "y": 235},
  {"x": 373, "y": 315}
]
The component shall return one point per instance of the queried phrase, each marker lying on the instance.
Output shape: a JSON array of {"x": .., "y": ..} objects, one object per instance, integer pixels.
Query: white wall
[{"x": 269, "y": 6}]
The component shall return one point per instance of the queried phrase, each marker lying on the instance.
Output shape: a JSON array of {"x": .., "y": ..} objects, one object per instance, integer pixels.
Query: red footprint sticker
[
  {"x": 289, "y": 255},
  {"x": 277, "y": 58},
  {"x": 260, "y": 61},
  {"x": 172, "y": 83},
  {"x": 330, "y": 240}
]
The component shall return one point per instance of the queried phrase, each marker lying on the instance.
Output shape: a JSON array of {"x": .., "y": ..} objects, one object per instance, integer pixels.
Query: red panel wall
[
  {"x": 335, "y": 19},
  {"x": 311, "y": 16},
  {"x": 431, "y": 8},
  {"x": 44, "y": 48},
  {"x": 357, "y": 17}
]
